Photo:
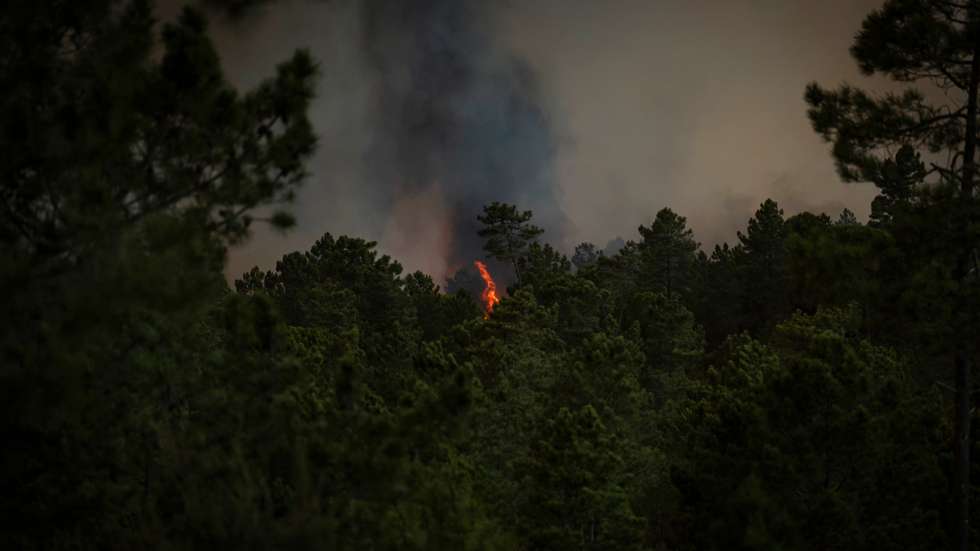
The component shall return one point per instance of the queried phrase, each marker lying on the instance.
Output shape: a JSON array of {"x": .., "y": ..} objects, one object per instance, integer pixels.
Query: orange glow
[{"x": 489, "y": 295}]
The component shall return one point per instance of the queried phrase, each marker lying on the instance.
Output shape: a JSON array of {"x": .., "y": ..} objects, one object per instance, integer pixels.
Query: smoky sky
[
  {"x": 455, "y": 122},
  {"x": 593, "y": 113}
]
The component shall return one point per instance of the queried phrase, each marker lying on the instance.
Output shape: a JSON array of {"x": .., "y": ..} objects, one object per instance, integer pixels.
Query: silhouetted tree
[
  {"x": 667, "y": 253},
  {"x": 127, "y": 165},
  {"x": 508, "y": 233},
  {"x": 847, "y": 218},
  {"x": 585, "y": 255},
  {"x": 933, "y": 42},
  {"x": 763, "y": 267}
]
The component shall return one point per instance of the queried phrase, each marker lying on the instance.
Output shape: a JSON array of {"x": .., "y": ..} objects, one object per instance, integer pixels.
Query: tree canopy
[{"x": 805, "y": 387}]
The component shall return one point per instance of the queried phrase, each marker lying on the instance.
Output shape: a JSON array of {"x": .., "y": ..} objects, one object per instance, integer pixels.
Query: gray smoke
[
  {"x": 457, "y": 120},
  {"x": 423, "y": 117},
  {"x": 593, "y": 113}
]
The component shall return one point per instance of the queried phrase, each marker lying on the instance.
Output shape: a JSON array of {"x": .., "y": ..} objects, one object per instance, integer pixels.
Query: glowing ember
[{"x": 489, "y": 295}]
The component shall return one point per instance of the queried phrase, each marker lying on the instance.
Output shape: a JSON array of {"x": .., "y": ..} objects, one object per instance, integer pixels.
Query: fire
[{"x": 489, "y": 295}]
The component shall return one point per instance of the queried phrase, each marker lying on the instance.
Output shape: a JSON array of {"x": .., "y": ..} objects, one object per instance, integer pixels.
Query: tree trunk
[
  {"x": 962, "y": 351},
  {"x": 962, "y": 473}
]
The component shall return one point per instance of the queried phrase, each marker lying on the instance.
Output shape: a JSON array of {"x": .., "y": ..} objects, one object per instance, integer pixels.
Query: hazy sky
[
  {"x": 696, "y": 105},
  {"x": 692, "y": 104}
]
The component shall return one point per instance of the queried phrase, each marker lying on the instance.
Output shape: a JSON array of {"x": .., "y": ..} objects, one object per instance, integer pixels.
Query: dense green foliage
[
  {"x": 785, "y": 392},
  {"x": 919, "y": 147}
]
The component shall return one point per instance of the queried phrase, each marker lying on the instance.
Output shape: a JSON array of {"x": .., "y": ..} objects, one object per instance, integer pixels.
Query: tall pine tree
[{"x": 931, "y": 44}]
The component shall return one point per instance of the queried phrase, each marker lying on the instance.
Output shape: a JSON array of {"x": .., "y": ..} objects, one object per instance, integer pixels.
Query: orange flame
[{"x": 489, "y": 295}]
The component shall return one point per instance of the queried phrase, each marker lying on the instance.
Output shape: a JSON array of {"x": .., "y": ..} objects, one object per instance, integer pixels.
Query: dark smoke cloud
[{"x": 457, "y": 119}]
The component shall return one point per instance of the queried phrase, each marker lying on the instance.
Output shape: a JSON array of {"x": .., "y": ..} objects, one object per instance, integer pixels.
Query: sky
[{"x": 593, "y": 113}]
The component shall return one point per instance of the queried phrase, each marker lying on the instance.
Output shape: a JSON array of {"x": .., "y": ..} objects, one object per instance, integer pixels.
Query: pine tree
[
  {"x": 128, "y": 164},
  {"x": 763, "y": 267},
  {"x": 668, "y": 253},
  {"x": 508, "y": 233},
  {"x": 932, "y": 43},
  {"x": 585, "y": 255}
]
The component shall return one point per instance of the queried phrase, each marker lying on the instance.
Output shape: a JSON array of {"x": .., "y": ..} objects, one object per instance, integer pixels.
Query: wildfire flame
[{"x": 489, "y": 295}]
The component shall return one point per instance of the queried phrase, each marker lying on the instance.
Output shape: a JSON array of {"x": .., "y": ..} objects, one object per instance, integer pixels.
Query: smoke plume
[
  {"x": 455, "y": 118},
  {"x": 594, "y": 114}
]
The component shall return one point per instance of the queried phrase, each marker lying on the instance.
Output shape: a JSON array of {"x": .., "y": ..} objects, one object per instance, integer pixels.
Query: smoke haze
[{"x": 593, "y": 113}]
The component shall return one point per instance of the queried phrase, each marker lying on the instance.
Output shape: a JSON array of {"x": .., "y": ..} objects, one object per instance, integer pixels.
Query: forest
[{"x": 805, "y": 386}]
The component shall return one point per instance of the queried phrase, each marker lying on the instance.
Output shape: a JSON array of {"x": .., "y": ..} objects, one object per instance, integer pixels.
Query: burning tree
[{"x": 489, "y": 295}]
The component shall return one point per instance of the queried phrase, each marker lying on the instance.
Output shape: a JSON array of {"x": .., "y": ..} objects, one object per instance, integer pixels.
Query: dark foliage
[{"x": 785, "y": 392}]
